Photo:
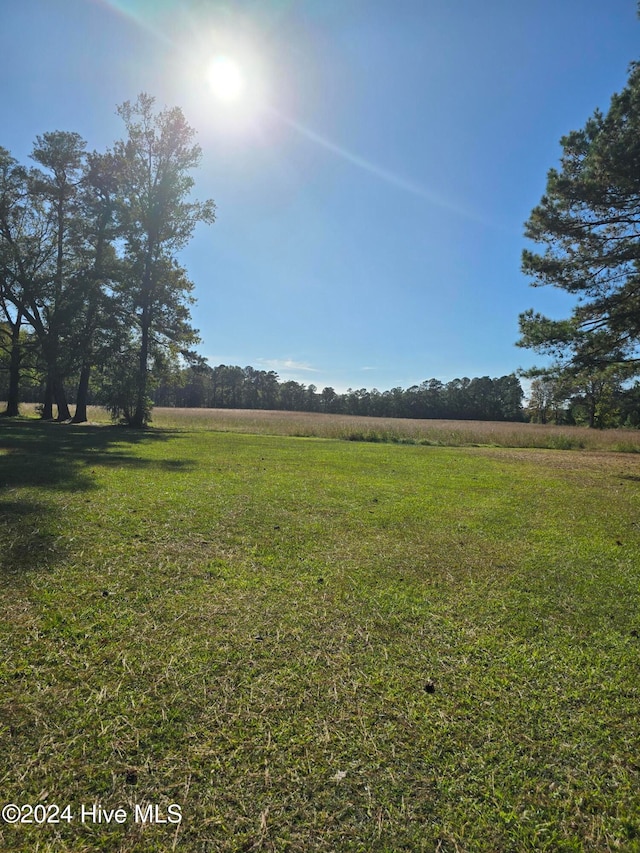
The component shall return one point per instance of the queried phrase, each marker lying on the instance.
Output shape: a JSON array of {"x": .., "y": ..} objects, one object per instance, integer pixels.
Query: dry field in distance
[{"x": 445, "y": 433}]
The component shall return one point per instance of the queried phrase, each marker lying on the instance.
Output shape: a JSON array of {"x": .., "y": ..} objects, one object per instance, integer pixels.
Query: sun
[{"x": 225, "y": 79}]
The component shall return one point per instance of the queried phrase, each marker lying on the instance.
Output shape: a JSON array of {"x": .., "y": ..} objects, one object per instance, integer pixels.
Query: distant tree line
[
  {"x": 234, "y": 387},
  {"x": 91, "y": 295},
  {"x": 596, "y": 399}
]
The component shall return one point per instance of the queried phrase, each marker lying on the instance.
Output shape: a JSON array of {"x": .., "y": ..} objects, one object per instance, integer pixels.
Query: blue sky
[{"x": 372, "y": 178}]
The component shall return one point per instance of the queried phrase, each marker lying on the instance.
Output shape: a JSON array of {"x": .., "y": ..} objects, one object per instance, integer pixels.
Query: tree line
[
  {"x": 233, "y": 387},
  {"x": 600, "y": 400},
  {"x": 91, "y": 293},
  {"x": 236, "y": 387}
]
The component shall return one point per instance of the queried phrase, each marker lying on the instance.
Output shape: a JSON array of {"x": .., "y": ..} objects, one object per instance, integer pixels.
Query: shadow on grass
[
  {"x": 46, "y": 457},
  {"x": 27, "y": 538}
]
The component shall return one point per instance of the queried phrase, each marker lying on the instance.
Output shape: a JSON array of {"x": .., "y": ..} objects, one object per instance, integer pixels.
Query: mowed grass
[{"x": 318, "y": 645}]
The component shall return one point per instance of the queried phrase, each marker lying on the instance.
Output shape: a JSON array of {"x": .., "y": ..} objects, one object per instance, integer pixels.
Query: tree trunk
[
  {"x": 80, "y": 415},
  {"x": 61, "y": 400},
  {"x": 13, "y": 395},
  {"x": 139, "y": 416},
  {"x": 47, "y": 407}
]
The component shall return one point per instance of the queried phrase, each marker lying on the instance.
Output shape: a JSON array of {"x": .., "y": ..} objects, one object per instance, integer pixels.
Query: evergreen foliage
[
  {"x": 588, "y": 223},
  {"x": 233, "y": 387}
]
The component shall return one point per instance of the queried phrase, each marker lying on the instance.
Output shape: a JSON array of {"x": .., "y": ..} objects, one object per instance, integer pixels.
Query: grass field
[
  {"x": 318, "y": 645},
  {"x": 432, "y": 432}
]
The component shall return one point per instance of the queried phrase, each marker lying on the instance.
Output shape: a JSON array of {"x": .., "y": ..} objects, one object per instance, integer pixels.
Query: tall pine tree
[{"x": 588, "y": 222}]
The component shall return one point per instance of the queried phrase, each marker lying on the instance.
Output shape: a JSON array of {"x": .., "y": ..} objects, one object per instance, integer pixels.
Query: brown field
[{"x": 400, "y": 430}]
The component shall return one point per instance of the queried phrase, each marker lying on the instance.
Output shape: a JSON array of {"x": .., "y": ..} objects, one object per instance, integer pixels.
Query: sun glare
[{"x": 225, "y": 79}]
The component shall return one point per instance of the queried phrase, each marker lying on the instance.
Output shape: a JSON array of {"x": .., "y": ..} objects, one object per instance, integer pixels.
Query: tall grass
[{"x": 441, "y": 433}]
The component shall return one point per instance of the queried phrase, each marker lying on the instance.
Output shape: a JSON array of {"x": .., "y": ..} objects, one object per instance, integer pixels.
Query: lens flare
[{"x": 226, "y": 79}]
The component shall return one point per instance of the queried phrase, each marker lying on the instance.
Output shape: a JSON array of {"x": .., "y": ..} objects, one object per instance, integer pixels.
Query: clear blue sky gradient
[{"x": 372, "y": 183}]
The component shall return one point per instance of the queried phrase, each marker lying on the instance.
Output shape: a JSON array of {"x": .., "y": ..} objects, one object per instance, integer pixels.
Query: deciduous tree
[
  {"x": 12, "y": 189},
  {"x": 158, "y": 219},
  {"x": 99, "y": 270},
  {"x": 54, "y": 298}
]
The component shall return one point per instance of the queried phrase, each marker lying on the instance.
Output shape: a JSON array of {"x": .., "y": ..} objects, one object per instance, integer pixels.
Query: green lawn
[{"x": 318, "y": 645}]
